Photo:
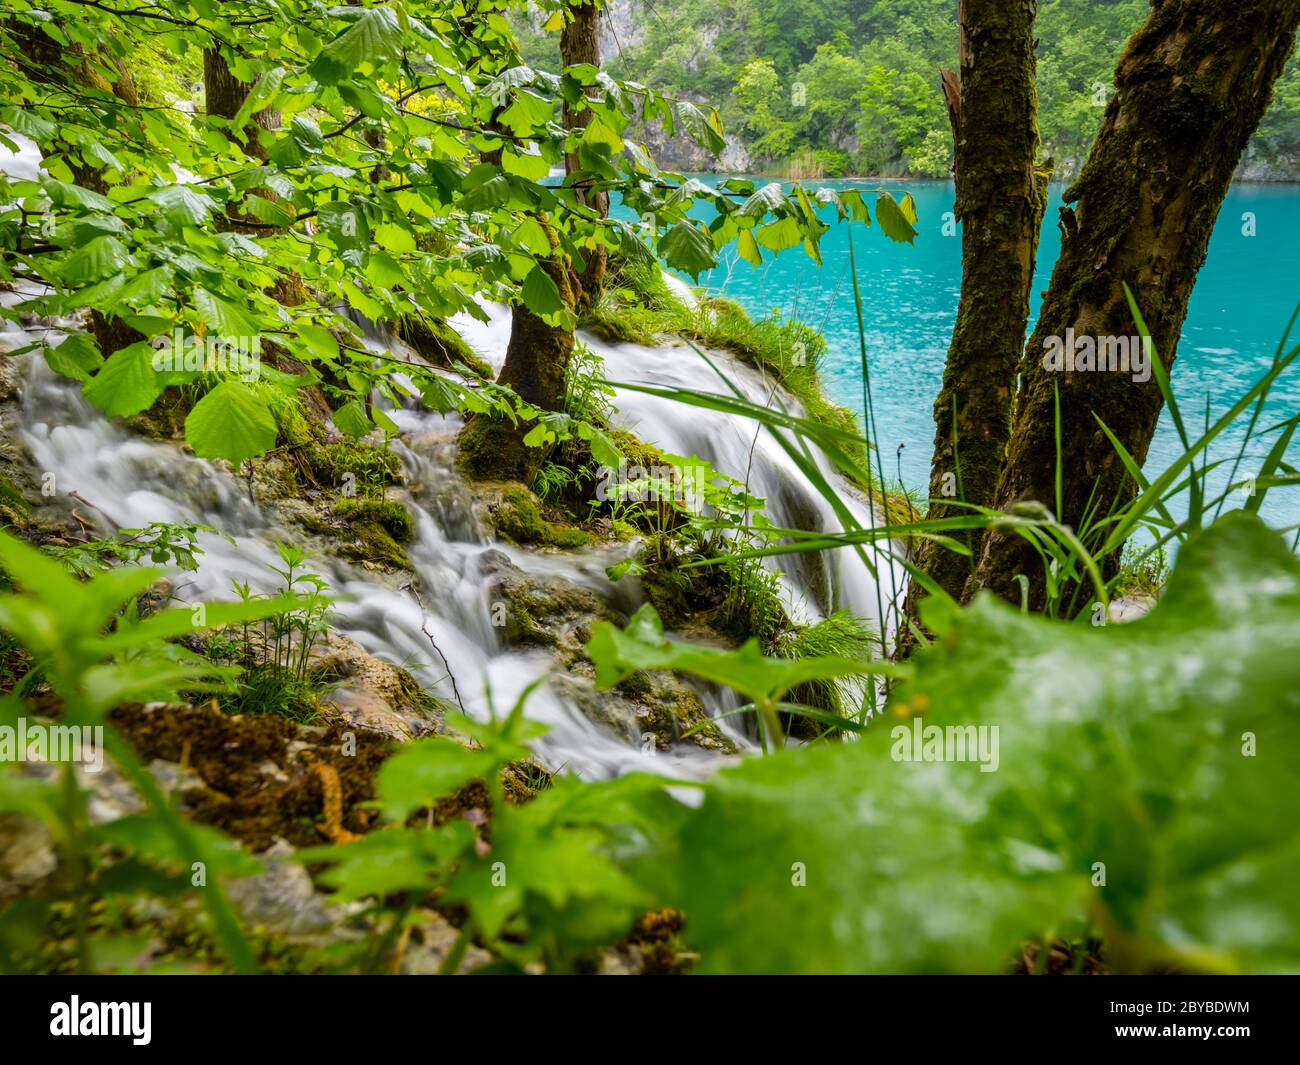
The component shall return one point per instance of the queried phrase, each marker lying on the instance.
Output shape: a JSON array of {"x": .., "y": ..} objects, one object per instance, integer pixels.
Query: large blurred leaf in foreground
[{"x": 1162, "y": 756}]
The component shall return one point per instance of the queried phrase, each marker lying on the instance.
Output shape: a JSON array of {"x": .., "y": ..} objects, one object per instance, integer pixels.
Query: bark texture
[
  {"x": 224, "y": 95},
  {"x": 580, "y": 43},
  {"x": 1191, "y": 88},
  {"x": 537, "y": 359},
  {"x": 1001, "y": 196}
]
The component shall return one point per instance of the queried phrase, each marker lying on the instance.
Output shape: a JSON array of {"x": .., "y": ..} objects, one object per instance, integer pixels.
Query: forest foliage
[{"x": 851, "y": 87}]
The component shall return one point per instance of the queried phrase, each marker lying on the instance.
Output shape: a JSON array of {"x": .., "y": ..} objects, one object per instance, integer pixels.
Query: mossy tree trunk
[
  {"x": 1001, "y": 196},
  {"x": 537, "y": 356},
  {"x": 1190, "y": 89},
  {"x": 580, "y": 43},
  {"x": 224, "y": 94},
  {"x": 537, "y": 359}
]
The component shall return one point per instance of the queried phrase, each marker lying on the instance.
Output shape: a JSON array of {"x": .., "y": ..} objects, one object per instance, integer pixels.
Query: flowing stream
[{"x": 121, "y": 480}]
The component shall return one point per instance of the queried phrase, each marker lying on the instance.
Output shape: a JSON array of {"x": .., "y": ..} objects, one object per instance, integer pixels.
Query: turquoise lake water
[{"x": 1243, "y": 298}]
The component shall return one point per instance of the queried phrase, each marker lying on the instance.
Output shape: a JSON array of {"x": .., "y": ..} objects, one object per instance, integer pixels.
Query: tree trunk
[
  {"x": 71, "y": 69},
  {"x": 224, "y": 95},
  {"x": 580, "y": 43},
  {"x": 1191, "y": 87},
  {"x": 1001, "y": 196},
  {"x": 537, "y": 359}
]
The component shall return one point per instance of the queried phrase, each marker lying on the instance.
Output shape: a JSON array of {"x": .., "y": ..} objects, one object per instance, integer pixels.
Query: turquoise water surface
[{"x": 1244, "y": 296}]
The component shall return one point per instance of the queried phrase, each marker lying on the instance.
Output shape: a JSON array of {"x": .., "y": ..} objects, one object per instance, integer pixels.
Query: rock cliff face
[
  {"x": 680, "y": 153},
  {"x": 1258, "y": 165}
]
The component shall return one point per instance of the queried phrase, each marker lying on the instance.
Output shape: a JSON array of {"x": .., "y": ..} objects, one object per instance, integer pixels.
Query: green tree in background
[{"x": 869, "y": 71}]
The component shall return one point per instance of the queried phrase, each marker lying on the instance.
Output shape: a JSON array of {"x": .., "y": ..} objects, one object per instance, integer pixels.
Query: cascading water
[
  {"x": 126, "y": 482},
  {"x": 814, "y": 583}
]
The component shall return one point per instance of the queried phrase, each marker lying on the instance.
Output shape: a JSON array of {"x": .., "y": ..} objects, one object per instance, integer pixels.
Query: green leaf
[
  {"x": 530, "y": 167},
  {"x": 559, "y": 870},
  {"x": 527, "y": 112},
  {"x": 259, "y": 96},
  {"x": 530, "y": 235},
  {"x": 268, "y": 211},
  {"x": 852, "y": 200},
  {"x": 618, "y": 654},
  {"x": 382, "y": 863},
  {"x": 394, "y": 238},
  {"x": 182, "y": 205},
  {"x": 352, "y": 420},
  {"x": 894, "y": 219},
  {"x": 147, "y": 288},
  {"x": 689, "y": 249},
  {"x": 345, "y": 224},
  {"x": 319, "y": 339},
  {"x": 781, "y": 234},
  {"x": 768, "y": 198},
  {"x": 126, "y": 383},
  {"x": 598, "y": 134},
  {"x": 77, "y": 357},
  {"x": 603, "y": 449},
  {"x": 374, "y": 38},
  {"x": 1125, "y": 745},
  {"x": 231, "y": 422},
  {"x": 149, "y": 838},
  {"x": 223, "y": 318},
  {"x": 701, "y": 128},
  {"x": 747, "y": 246},
  {"x": 424, "y": 772},
  {"x": 540, "y": 294},
  {"x": 100, "y": 258},
  {"x": 488, "y": 194}
]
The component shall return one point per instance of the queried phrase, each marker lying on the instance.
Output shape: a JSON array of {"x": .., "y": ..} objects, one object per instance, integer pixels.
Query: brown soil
[{"x": 242, "y": 795}]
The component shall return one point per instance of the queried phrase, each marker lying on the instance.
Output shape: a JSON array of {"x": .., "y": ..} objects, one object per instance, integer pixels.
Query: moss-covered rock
[
  {"x": 541, "y": 611},
  {"x": 165, "y": 418},
  {"x": 738, "y": 599},
  {"x": 379, "y": 529},
  {"x": 437, "y": 343},
  {"x": 648, "y": 710},
  {"x": 557, "y": 614},
  {"x": 488, "y": 449},
  {"x": 14, "y": 508},
  {"x": 517, "y": 516},
  {"x": 365, "y": 468},
  {"x": 373, "y": 694}
]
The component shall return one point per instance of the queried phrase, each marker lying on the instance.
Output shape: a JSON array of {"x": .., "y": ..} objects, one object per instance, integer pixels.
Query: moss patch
[
  {"x": 437, "y": 343},
  {"x": 517, "y": 516},
  {"x": 371, "y": 468},
  {"x": 165, "y": 418},
  {"x": 14, "y": 507},
  {"x": 379, "y": 527}
]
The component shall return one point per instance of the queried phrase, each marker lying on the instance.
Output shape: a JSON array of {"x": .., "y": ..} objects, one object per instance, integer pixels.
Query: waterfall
[
  {"x": 121, "y": 480},
  {"x": 815, "y": 584}
]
